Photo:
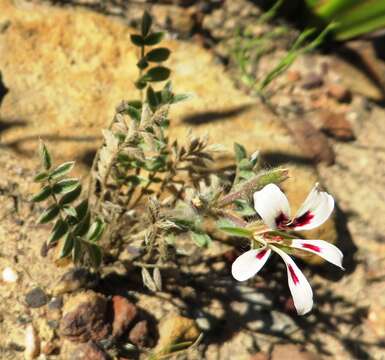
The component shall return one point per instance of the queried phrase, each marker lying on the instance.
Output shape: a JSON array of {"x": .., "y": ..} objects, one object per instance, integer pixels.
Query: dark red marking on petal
[
  {"x": 281, "y": 220},
  {"x": 311, "y": 247},
  {"x": 303, "y": 220},
  {"x": 293, "y": 275},
  {"x": 261, "y": 254}
]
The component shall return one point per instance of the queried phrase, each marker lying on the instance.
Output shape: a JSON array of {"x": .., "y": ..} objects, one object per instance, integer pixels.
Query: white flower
[{"x": 273, "y": 207}]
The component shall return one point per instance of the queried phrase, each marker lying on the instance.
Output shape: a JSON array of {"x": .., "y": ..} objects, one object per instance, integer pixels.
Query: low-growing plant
[
  {"x": 149, "y": 193},
  {"x": 146, "y": 189}
]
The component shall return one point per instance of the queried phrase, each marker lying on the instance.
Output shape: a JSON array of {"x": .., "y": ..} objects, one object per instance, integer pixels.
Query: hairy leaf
[
  {"x": 42, "y": 176},
  {"x": 67, "y": 246},
  {"x": 58, "y": 231},
  {"x": 49, "y": 214},
  {"x": 62, "y": 170},
  {"x": 65, "y": 186},
  {"x": 201, "y": 239},
  {"x": 96, "y": 230},
  {"x": 43, "y": 194},
  {"x": 71, "y": 196},
  {"x": 45, "y": 156}
]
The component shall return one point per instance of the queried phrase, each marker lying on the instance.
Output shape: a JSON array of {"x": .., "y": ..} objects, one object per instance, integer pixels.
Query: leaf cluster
[{"x": 73, "y": 226}]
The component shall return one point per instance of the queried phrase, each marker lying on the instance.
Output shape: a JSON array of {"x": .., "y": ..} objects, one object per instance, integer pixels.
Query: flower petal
[
  {"x": 249, "y": 263},
  {"x": 272, "y": 206},
  {"x": 322, "y": 248},
  {"x": 299, "y": 287},
  {"x": 315, "y": 210}
]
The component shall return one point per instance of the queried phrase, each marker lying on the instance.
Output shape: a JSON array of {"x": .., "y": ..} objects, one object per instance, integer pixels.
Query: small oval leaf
[
  {"x": 95, "y": 254},
  {"x": 62, "y": 170},
  {"x": 137, "y": 40},
  {"x": 158, "y": 73},
  {"x": 67, "y": 246},
  {"x": 146, "y": 23},
  {"x": 42, "y": 176},
  {"x": 96, "y": 230},
  {"x": 58, "y": 231},
  {"x": 71, "y": 196},
  {"x": 158, "y": 55},
  {"x": 153, "y": 39},
  {"x": 65, "y": 186},
  {"x": 49, "y": 214},
  {"x": 45, "y": 156},
  {"x": 43, "y": 194}
]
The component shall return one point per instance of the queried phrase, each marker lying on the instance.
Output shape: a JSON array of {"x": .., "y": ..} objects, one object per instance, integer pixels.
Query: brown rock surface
[
  {"x": 85, "y": 318},
  {"x": 124, "y": 314},
  {"x": 174, "y": 329}
]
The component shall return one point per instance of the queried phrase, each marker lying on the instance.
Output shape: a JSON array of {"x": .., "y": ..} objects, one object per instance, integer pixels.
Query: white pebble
[
  {"x": 32, "y": 343},
  {"x": 9, "y": 275}
]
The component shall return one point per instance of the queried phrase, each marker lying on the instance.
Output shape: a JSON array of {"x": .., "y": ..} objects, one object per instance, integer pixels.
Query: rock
[
  {"x": 88, "y": 351},
  {"x": 124, "y": 314},
  {"x": 289, "y": 351},
  {"x": 32, "y": 343},
  {"x": 312, "y": 81},
  {"x": 85, "y": 317},
  {"x": 339, "y": 92},
  {"x": 75, "y": 279},
  {"x": 293, "y": 76},
  {"x": 9, "y": 275},
  {"x": 139, "y": 334},
  {"x": 174, "y": 329},
  {"x": 36, "y": 298},
  {"x": 337, "y": 126},
  {"x": 55, "y": 303}
]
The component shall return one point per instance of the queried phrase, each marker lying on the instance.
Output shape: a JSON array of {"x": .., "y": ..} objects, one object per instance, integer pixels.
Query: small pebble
[
  {"x": 32, "y": 343},
  {"x": 9, "y": 275},
  {"x": 312, "y": 81},
  {"x": 56, "y": 303},
  {"x": 36, "y": 298},
  {"x": 339, "y": 92}
]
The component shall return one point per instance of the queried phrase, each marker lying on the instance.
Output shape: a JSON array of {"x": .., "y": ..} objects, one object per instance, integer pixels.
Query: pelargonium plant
[
  {"x": 276, "y": 236},
  {"x": 148, "y": 193}
]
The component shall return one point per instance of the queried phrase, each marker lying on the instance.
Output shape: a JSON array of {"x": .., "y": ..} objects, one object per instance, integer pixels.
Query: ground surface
[{"x": 67, "y": 69}]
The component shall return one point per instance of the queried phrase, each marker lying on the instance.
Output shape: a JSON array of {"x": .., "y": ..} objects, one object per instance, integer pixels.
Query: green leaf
[
  {"x": 42, "y": 176},
  {"x": 230, "y": 228},
  {"x": 137, "y": 104},
  {"x": 71, "y": 196},
  {"x": 151, "y": 97},
  {"x": 67, "y": 246},
  {"x": 137, "y": 40},
  {"x": 69, "y": 210},
  {"x": 153, "y": 39},
  {"x": 158, "y": 55},
  {"x": 58, "y": 231},
  {"x": 141, "y": 83},
  {"x": 96, "y": 230},
  {"x": 95, "y": 254},
  {"x": 49, "y": 214},
  {"x": 240, "y": 152},
  {"x": 78, "y": 251},
  {"x": 201, "y": 239},
  {"x": 81, "y": 210},
  {"x": 180, "y": 97},
  {"x": 244, "y": 208},
  {"x": 158, "y": 73},
  {"x": 62, "y": 170},
  {"x": 43, "y": 194},
  {"x": 146, "y": 23},
  {"x": 82, "y": 227},
  {"x": 65, "y": 186},
  {"x": 45, "y": 156},
  {"x": 142, "y": 64}
]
